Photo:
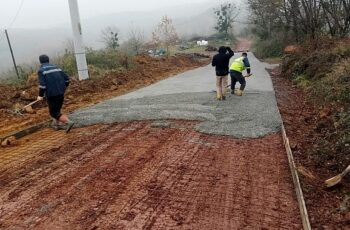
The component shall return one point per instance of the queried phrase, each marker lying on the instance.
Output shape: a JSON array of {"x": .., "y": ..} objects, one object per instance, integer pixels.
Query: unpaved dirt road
[
  {"x": 141, "y": 175},
  {"x": 167, "y": 173}
]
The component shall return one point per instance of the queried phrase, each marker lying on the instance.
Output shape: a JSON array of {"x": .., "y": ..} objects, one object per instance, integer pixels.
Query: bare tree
[
  {"x": 337, "y": 14},
  {"x": 136, "y": 40},
  {"x": 165, "y": 33},
  {"x": 110, "y": 37}
]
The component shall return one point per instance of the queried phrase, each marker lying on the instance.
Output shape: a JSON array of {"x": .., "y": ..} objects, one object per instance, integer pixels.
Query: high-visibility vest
[{"x": 238, "y": 65}]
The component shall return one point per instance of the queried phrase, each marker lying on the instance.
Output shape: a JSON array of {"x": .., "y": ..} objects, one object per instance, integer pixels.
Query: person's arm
[
  {"x": 42, "y": 84},
  {"x": 66, "y": 78},
  {"x": 230, "y": 52},
  {"x": 247, "y": 65},
  {"x": 213, "y": 63}
]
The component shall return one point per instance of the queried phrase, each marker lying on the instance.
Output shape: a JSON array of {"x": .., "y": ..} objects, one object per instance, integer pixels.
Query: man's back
[
  {"x": 221, "y": 61},
  {"x": 53, "y": 79}
]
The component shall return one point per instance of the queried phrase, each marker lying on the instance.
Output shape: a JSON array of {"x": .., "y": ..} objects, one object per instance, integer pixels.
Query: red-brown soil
[
  {"x": 138, "y": 176},
  {"x": 243, "y": 45},
  {"x": 83, "y": 93},
  {"x": 304, "y": 122}
]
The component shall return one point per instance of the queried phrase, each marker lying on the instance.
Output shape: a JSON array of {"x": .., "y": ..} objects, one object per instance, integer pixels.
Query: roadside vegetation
[{"x": 312, "y": 39}]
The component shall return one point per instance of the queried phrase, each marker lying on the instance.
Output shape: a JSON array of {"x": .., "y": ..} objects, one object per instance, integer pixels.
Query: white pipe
[{"x": 79, "y": 50}]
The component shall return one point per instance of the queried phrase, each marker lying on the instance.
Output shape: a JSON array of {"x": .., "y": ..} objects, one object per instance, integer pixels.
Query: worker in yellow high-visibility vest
[{"x": 236, "y": 71}]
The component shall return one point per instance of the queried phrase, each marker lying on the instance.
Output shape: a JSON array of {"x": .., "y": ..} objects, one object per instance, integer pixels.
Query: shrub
[
  {"x": 109, "y": 59},
  {"x": 268, "y": 48}
]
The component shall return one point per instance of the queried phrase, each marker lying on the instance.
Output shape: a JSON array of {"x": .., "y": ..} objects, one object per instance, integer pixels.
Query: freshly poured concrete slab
[{"x": 190, "y": 96}]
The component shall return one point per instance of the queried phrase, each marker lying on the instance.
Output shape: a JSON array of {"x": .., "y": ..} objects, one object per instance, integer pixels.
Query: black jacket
[{"x": 221, "y": 61}]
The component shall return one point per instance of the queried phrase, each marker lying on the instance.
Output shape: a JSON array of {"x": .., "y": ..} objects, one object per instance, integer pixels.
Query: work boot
[
  {"x": 70, "y": 125},
  {"x": 54, "y": 125},
  {"x": 238, "y": 92}
]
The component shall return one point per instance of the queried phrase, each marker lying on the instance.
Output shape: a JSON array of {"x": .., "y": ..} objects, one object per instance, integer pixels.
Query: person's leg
[
  {"x": 55, "y": 106},
  {"x": 54, "y": 111},
  {"x": 224, "y": 85},
  {"x": 233, "y": 82},
  {"x": 218, "y": 87},
  {"x": 242, "y": 82}
]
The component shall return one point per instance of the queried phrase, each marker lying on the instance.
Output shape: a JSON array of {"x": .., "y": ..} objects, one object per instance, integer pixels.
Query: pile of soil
[
  {"x": 83, "y": 93},
  {"x": 307, "y": 126}
]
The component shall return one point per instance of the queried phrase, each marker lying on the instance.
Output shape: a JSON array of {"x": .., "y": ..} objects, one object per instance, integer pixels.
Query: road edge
[
  {"x": 296, "y": 182},
  {"x": 26, "y": 131}
]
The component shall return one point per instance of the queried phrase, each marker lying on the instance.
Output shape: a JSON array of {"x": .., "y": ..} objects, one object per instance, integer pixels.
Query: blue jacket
[{"x": 52, "y": 80}]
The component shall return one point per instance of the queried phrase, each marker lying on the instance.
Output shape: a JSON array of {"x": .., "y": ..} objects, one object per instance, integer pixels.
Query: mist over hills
[{"x": 189, "y": 19}]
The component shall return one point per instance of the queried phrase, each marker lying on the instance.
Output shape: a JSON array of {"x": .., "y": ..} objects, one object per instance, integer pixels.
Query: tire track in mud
[
  {"x": 57, "y": 168},
  {"x": 135, "y": 176}
]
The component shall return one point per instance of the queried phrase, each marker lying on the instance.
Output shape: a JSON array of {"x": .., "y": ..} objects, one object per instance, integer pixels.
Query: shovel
[
  {"x": 337, "y": 179},
  {"x": 20, "y": 111}
]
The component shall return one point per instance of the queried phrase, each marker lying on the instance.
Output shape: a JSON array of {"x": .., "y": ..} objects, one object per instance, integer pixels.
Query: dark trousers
[
  {"x": 237, "y": 76},
  {"x": 55, "y": 105}
]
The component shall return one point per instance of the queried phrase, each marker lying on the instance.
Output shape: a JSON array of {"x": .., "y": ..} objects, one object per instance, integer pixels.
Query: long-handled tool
[
  {"x": 337, "y": 179},
  {"x": 19, "y": 111}
]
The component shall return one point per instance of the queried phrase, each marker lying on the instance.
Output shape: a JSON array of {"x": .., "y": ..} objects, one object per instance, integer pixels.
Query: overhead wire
[{"x": 14, "y": 19}]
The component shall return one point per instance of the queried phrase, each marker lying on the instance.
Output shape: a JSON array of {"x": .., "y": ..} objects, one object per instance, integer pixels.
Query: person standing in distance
[
  {"x": 236, "y": 71},
  {"x": 221, "y": 62},
  {"x": 52, "y": 84}
]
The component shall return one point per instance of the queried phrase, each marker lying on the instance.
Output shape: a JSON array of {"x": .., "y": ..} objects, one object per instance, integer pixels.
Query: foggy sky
[{"x": 46, "y": 13}]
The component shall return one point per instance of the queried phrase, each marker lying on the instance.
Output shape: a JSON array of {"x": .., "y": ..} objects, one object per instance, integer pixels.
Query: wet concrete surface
[{"x": 191, "y": 96}]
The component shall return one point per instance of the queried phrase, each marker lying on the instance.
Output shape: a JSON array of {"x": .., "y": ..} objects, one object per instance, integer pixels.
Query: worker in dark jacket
[
  {"x": 236, "y": 71},
  {"x": 52, "y": 84},
  {"x": 221, "y": 62}
]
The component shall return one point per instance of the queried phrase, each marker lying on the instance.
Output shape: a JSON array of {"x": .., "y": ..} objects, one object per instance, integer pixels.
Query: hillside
[{"x": 189, "y": 19}]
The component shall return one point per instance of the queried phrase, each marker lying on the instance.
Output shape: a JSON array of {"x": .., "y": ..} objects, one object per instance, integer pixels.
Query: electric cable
[{"x": 14, "y": 19}]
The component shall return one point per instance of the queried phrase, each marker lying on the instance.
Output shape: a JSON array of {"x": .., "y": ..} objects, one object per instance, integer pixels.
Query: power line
[
  {"x": 17, "y": 14},
  {"x": 13, "y": 20}
]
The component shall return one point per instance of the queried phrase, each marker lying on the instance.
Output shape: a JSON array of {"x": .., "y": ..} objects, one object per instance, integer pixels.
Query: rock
[
  {"x": 25, "y": 95},
  {"x": 29, "y": 110},
  {"x": 293, "y": 146},
  {"x": 9, "y": 141}
]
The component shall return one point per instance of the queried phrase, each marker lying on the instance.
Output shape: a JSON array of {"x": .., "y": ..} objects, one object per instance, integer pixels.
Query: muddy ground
[
  {"x": 147, "y": 71},
  {"x": 305, "y": 122},
  {"x": 142, "y": 175}
]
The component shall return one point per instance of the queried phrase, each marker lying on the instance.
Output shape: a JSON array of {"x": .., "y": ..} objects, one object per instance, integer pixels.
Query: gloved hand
[
  {"x": 40, "y": 98},
  {"x": 249, "y": 75}
]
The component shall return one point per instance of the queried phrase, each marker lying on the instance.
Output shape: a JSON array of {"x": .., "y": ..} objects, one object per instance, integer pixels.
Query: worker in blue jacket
[{"x": 52, "y": 84}]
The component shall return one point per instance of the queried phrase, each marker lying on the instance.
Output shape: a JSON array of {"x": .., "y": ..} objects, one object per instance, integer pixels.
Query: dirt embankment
[
  {"x": 308, "y": 124},
  {"x": 82, "y": 93}
]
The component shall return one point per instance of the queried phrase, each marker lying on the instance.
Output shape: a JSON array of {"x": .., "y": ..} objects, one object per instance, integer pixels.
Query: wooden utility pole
[{"x": 13, "y": 57}]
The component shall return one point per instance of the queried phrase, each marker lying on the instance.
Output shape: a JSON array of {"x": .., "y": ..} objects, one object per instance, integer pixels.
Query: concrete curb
[{"x": 296, "y": 182}]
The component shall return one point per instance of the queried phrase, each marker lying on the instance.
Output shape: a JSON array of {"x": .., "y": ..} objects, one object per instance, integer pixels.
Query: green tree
[
  {"x": 110, "y": 37},
  {"x": 225, "y": 16}
]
